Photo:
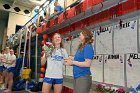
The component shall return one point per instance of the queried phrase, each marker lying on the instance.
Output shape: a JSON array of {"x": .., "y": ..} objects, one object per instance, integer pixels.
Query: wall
[
  {"x": 2, "y": 33},
  {"x": 3, "y": 28},
  {"x": 16, "y": 19}
]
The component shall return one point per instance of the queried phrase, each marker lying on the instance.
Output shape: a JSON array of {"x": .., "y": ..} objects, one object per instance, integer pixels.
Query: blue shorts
[
  {"x": 4, "y": 68},
  {"x": 53, "y": 80},
  {"x": 1, "y": 68},
  {"x": 11, "y": 69}
]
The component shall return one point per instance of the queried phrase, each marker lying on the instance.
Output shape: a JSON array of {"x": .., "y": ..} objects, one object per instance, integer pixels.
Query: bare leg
[
  {"x": 1, "y": 77},
  {"x": 10, "y": 82},
  {"x": 58, "y": 88},
  {"x": 5, "y": 77},
  {"x": 46, "y": 88}
]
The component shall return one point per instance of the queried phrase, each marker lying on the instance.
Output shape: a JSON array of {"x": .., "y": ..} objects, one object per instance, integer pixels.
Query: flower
[
  {"x": 121, "y": 90},
  {"x": 100, "y": 87},
  {"x": 103, "y": 88},
  {"x": 48, "y": 48}
]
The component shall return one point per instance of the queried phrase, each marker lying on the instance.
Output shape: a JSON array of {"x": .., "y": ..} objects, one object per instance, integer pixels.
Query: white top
[
  {"x": 55, "y": 63},
  {"x": 12, "y": 58},
  {"x": 6, "y": 56}
]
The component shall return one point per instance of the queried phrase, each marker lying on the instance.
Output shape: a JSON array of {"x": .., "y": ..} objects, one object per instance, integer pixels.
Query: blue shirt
[
  {"x": 80, "y": 56},
  {"x": 59, "y": 9}
]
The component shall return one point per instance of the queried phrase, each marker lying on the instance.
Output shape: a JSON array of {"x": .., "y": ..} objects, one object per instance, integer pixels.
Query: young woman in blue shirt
[{"x": 82, "y": 61}]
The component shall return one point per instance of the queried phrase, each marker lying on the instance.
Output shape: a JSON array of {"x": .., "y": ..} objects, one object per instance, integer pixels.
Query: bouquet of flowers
[{"x": 48, "y": 48}]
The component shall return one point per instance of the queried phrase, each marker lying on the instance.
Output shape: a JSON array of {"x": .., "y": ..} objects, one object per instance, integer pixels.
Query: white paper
[
  {"x": 125, "y": 39},
  {"x": 97, "y": 68},
  {"x": 114, "y": 70},
  {"x": 133, "y": 70}
]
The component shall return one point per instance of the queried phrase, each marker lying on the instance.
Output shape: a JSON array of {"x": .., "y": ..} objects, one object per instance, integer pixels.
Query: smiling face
[{"x": 56, "y": 39}]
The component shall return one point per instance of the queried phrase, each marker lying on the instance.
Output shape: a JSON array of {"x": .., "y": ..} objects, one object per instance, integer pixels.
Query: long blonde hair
[{"x": 88, "y": 38}]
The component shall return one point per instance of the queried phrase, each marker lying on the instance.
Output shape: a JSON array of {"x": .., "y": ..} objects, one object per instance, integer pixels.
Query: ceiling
[{"x": 30, "y": 4}]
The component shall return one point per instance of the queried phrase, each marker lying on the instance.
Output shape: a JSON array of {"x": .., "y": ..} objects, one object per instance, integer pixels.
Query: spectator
[
  {"x": 4, "y": 60},
  {"x": 1, "y": 67},
  {"x": 11, "y": 62},
  {"x": 58, "y": 9},
  {"x": 45, "y": 16}
]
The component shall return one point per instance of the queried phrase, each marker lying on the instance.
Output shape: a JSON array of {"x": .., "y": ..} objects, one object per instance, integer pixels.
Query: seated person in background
[
  {"x": 45, "y": 16},
  {"x": 6, "y": 54},
  {"x": 1, "y": 67},
  {"x": 11, "y": 62},
  {"x": 40, "y": 21},
  {"x": 58, "y": 9}
]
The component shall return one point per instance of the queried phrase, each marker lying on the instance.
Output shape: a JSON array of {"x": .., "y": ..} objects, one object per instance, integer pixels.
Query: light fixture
[
  {"x": 6, "y": 6},
  {"x": 17, "y": 9},
  {"x": 26, "y": 11}
]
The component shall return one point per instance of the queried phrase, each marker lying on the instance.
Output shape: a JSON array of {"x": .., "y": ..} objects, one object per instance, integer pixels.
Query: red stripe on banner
[
  {"x": 95, "y": 2},
  {"x": 138, "y": 3},
  {"x": 128, "y": 6},
  {"x": 90, "y": 3},
  {"x": 84, "y": 5},
  {"x": 51, "y": 22},
  {"x": 70, "y": 13},
  {"x": 78, "y": 8},
  {"x": 60, "y": 18}
]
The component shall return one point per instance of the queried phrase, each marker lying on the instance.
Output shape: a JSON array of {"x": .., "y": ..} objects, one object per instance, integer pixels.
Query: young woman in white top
[
  {"x": 4, "y": 60},
  {"x": 54, "y": 70}
]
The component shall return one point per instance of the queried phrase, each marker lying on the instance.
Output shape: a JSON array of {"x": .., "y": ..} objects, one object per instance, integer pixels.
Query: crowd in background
[{"x": 7, "y": 68}]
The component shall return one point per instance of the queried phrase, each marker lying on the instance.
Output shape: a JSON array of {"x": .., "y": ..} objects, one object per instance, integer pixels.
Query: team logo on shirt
[{"x": 57, "y": 58}]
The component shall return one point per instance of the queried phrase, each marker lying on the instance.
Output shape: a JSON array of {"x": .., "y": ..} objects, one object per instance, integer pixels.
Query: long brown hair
[
  {"x": 88, "y": 38},
  {"x": 61, "y": 44}
]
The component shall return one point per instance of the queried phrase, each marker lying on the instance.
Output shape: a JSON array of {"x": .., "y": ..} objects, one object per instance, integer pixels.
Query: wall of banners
[{"x": 113, "y": 63}]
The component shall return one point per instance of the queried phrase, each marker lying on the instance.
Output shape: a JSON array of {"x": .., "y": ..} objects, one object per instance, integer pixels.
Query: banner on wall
[
  {"x": 114, "y": 69},
  {"x": 125, "y": 37},
  {"x": 104, "y": 40},
  {"x": 132, "y": 70},
  {"x": 97, "y": 68}
]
